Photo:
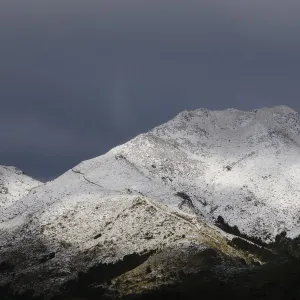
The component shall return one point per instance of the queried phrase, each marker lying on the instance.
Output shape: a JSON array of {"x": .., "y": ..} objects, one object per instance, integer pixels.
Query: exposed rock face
[{"x": 140, "y": 219}]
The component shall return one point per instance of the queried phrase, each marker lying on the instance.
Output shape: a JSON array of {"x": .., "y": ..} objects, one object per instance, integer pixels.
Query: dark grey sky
[{"x": 80, "y": 77}]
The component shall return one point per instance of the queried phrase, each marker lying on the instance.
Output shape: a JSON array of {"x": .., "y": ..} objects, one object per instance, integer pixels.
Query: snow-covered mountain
[
  {"x": 164, "y": 189},
  {"x": 14, "y": 185},
  {"x": 243, "y": 166}
]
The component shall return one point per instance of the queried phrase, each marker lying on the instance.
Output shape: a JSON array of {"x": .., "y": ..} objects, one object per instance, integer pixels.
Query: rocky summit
[{"x": 204, "y": 206}]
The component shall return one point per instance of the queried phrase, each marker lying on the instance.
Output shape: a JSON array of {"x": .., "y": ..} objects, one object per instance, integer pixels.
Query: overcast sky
[{"x": 80, "y": 77}]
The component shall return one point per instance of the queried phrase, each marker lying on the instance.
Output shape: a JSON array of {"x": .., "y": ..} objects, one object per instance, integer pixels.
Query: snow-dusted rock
[{"x": 14, "y": 185}]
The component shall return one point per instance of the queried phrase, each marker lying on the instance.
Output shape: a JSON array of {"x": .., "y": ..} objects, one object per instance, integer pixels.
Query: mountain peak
[
  {"x": 205, "y": 184},
  {"x": 14, "y": 185}
]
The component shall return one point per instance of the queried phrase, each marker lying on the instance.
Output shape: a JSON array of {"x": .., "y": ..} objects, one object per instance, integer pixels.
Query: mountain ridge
[
  {"x": 14, "y": 185},
  {"x": 165, "y": 191}
]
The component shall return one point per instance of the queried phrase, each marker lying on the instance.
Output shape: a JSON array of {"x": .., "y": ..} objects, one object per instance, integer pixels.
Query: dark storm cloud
[{"x": 79, "y": 77}]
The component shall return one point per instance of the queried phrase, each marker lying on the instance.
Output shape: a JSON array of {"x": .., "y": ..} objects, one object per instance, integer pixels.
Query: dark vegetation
[
  {"x": 278, "y": 280},
  {"x": 286, "y": 246},
  {"x": 264, "y": 254},
  {"x": 281, "y": 246},
  {"x": 47, "y": 257},
  {"x": 244, "y": 242},
  {"x": 93, "y": 283},
  {"x": 6, "y": 267},
  {"x": 187, "y": 200},
  {"x": 235, "y": 231},
  {"x": 97, "y": 236}
]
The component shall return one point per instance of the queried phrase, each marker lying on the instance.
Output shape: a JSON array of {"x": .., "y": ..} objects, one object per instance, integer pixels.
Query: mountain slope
[
  {"x": 158, "y": 194},
  {"x": 99, "y": 244},
  {"x": 243, "y": 166},
  {"x": 14, "y": 185}
]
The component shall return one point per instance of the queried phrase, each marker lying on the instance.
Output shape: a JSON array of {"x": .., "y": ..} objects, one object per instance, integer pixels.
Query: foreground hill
[{"x": 144, "y": 216}]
